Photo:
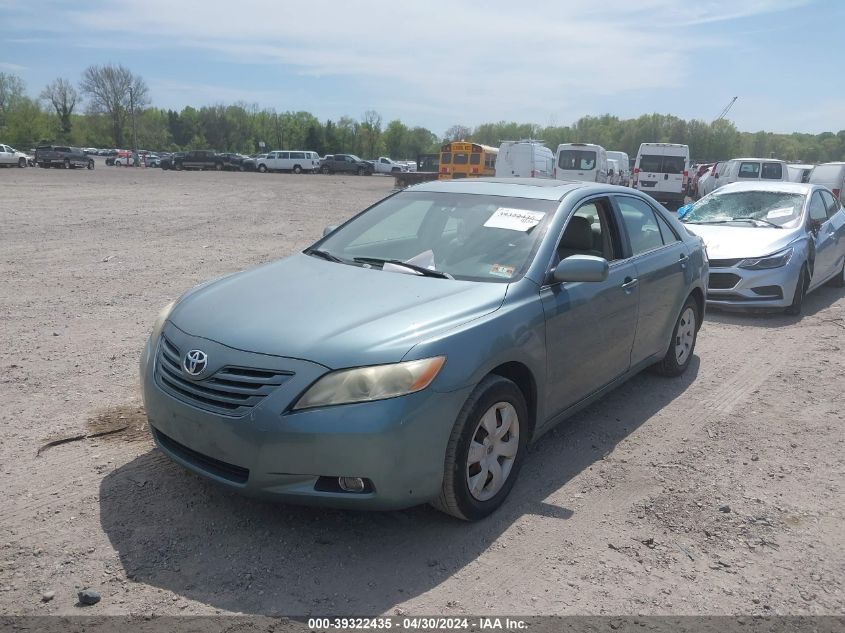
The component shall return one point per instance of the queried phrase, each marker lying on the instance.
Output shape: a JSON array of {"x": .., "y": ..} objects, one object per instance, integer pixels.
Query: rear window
[
  {"x": 461, "y": 158},
  {"x": 772, "y": 171},
  {"x": 579, "y": 159},
  {"x": 662, "y": 164}
]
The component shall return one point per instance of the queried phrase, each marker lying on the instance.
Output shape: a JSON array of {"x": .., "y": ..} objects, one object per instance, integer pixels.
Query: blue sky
[{"x": 437, "y": 63}]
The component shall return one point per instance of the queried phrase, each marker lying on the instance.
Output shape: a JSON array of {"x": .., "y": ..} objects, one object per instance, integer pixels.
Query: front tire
[
  {"x": 360, "y": 171},
  {"x": 218, "y": 166},
  {"x": 22, "y": 163},
  {"x": 681, "y": 349},
  {"x": 66, "y": 164},
  {"x": 262, "y": 169},
  {"x": 90, "y": 164},
  {"x": 800, "y": 292},
  {"x": 485, "y": 450},
  {"x": 297, "y": 169},
  {"x": 325, "y": 170}
]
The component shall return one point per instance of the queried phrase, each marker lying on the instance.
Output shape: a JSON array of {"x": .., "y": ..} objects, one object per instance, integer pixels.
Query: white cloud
[{"x": 12, "y": 67}]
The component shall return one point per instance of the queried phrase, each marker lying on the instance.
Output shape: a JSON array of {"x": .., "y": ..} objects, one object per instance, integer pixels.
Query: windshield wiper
[
  {"x": 766, "y": 222},
  {"x": 325, "y": 255},
  {"x": 427, "y": 272}
]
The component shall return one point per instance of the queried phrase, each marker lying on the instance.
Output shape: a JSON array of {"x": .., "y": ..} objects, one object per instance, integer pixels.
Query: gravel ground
[{"x": 716, "y": 493}]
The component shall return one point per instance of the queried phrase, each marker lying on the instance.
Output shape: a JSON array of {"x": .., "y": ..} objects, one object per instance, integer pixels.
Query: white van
[
  {"x": 524, "y": 159},
  {"x": 661, "y": 171},
  {"x": 295, "y": 161},
  {"x": 745, "y": 169},
  {"x": 580, "y": 161},
  {"x": 832, "y": 176},
  {"x": 624, "y": 167}
]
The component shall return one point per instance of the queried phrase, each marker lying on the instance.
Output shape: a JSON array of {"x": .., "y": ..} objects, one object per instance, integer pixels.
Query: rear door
[
  {"x": 651, "y": 169},
  {"x": 6, "y": 156},
  {"x": 671, "y": 176},
  {"x": 660, "y": 259}
]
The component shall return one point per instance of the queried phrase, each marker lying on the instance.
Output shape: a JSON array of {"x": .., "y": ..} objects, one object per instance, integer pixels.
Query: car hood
[
  {"x": 334, "y": 314},
  {"x": 737, "y": 242}
]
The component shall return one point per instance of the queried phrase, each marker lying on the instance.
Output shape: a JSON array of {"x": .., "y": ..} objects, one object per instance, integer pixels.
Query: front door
[
  {"x": 590, "y": 326},
  {"x": 825, "y": 238}
]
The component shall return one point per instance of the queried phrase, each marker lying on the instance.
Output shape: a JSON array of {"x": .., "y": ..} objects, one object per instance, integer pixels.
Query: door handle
[
  {"x": 683, "y": 259},
  {"x": 630, "y": 284}
]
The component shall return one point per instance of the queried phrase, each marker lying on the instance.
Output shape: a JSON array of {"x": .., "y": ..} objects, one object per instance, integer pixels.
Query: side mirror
[
  {"x": 329, "y": 229},
  {"x": 581, "y": 268}
]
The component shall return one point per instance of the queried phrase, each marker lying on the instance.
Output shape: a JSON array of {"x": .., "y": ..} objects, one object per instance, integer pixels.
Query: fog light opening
[{"x": 351, "y": 484}]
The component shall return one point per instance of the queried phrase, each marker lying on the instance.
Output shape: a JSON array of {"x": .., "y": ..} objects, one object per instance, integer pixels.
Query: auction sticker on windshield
[
  {"x": 780, "y": 213},
  {"x": 501, "y": 271},
  {"x": 514, "y": 219}
]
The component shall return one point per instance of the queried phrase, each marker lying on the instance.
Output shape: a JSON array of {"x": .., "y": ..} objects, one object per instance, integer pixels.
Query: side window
[
  {"x": 831, "y": 203},
  {"x": 641, "y": 225},
  {"x": 284, "y": 155},
  {"x": 475, "y": 159},
  {"x": 297, "y": 155},
  {"x": 818, "y": 210},
  {"x": 772, "y": 171},
  {"x": 749, "y": 170},
  {"x": 590, "y": 231},
  {"x": 666, "y": 232}
]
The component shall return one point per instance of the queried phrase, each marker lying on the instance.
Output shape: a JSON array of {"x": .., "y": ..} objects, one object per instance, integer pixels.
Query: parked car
[
  {"x": 624, "y": 166},
  {"x": 62, "y": 156},
  {"x": 10, "y": 157},
  {"x": 122, "y": 158},
  {"x": 463, "y": 320},
  {"x": 293, "y": 161},
  {"x": 152, "y": 160},
  {"x": 799, "y": 173},
  {"x": 697, "y": 172},
  {"x": 769, "y": 243},
  {"x": 708, "y": 181},
  {"x": 232, "y": 161},
  {"x": 524, "y": 159},
  {"x": 346, "y": 163},
  {"x": 832, "y": 176},
  {"x": 580, "y": 161},
  {"x": 386, "y": 165},
  {"x": 750, "y": 170},
  {"x": 199, "y": 159},
  {"x": 661, "y": 171}
]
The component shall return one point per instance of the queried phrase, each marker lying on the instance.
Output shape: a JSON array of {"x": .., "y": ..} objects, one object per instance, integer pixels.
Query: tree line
[{"x": 111, "y": 94}]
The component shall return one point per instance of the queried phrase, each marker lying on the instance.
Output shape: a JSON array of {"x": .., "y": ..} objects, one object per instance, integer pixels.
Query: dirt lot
[{"x": 720, "y": 492}]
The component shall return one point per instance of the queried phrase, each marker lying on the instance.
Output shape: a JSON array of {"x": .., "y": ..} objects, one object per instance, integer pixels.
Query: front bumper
[
  {"x": 398, "y": 445},
  {"x": 734, "y": 287}
]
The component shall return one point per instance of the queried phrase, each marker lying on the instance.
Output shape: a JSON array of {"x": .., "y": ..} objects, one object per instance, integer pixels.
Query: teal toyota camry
[{"x": 411, "y": 354}]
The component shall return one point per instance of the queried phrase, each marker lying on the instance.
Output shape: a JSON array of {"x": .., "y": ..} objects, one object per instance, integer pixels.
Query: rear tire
[
  {"x": 178, "y": 167},
  {"x": 682, "y": 346},
  {"x": 66, "y": 164},
  {"x": 90, "y": 164},
  {"x": 495, "y": 461},
  {"x": 297, "y": 169},
  {"x": 325, "y": 170},
  {"x": 800, "y": 292},
  {"x": 218, "y": 166}
]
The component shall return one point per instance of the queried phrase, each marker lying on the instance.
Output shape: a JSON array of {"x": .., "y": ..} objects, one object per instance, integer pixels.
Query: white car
[
  {"x": 295, "y": 161},
  {"x": 385, "y": 165},
  {"x": 9, "y": 156},
  {"x": 832, "y": 176},
  {"x": 580, "y": 161}
]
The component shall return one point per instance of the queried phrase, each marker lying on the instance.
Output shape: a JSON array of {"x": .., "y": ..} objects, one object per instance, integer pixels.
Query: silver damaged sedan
[{"x": 769, "y": 244}]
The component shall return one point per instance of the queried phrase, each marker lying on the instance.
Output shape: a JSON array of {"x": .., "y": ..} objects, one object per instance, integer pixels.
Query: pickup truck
[
  {"x": 62, "y": 156},
  {"x": 199, "y": 159},
  {"x": 385, "y": 165},
  {"x": 9, "y": 156},
  {"x": 346, "y": 163}
]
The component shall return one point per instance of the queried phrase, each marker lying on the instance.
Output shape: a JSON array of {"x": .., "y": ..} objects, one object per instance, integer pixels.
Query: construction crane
[{"x": 726, "y": 110}]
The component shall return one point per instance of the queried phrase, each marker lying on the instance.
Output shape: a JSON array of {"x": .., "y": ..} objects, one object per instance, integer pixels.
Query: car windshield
[
  {"x": 465, "y": 236},
  {"x": 763, "y": 208},
  {"x": 355, "y": 158}
]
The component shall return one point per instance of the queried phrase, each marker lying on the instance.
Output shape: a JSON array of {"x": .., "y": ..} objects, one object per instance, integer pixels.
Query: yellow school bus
[{"x": 460, "y": 159}]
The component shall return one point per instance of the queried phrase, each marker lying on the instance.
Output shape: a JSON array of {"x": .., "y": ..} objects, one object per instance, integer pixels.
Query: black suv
[
  {"x": 346, "y": 163},
  {"x": 62, "y": 156},
  {"x": 199, "y": 159}
]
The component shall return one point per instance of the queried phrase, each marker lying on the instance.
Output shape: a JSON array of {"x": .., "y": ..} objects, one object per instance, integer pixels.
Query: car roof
[
  {"x": 775, "y": 185},
  {"x": 536, "y": 188},
  {"x": 768, "y": 160}
]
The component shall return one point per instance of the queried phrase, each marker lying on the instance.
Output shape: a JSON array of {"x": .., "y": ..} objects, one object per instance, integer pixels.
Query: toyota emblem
[{"x": 195, "y": 362}]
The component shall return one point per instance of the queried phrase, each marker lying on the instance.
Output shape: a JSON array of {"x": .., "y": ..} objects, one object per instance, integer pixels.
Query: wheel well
[
  {"x": 524, "y": 379},
  {"x": 698, "y": 295}
]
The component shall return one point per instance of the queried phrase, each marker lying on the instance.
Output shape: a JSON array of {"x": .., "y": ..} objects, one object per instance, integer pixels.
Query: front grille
[
  {"x": 723, "y": 263},
  {"x": 230, "y": 390},
  {"x": 722, "y": 281},
  {"x": 222, "y": 469}
]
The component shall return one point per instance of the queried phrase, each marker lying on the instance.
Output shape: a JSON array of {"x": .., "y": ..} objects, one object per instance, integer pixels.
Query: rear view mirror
[
  {"x": 329, "y": 229},
  {"x": 582, "y": 268}
]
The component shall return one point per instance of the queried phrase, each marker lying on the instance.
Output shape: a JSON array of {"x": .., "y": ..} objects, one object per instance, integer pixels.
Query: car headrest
[{"x": 578, "y": 235}]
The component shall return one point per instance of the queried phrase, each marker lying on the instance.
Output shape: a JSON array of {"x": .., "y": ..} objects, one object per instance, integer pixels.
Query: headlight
[
  {"x": 364, "y": 384},
  {"x": 772, "y": 261},
  {"x": 162, "y": 317}
]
